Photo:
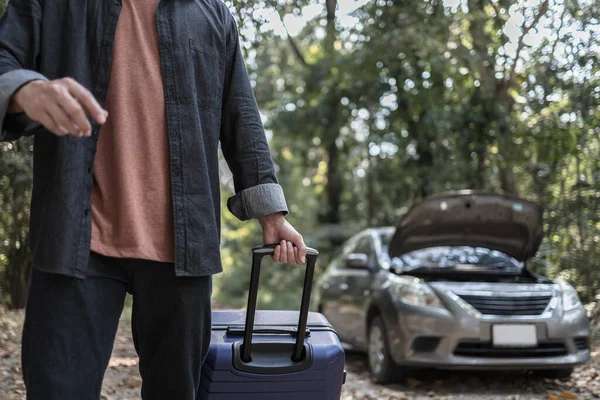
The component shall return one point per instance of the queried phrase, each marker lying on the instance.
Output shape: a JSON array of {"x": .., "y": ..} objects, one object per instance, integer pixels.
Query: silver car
[{"x": 449, "y": 288}]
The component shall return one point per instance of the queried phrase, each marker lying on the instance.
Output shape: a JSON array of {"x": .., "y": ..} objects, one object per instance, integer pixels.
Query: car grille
[
  {"x": 487, "y": 350},
  {"x": 508, "y": 305}
]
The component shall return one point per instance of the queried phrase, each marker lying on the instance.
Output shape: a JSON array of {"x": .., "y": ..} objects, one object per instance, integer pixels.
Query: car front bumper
[{"x": 456, "y": 339}]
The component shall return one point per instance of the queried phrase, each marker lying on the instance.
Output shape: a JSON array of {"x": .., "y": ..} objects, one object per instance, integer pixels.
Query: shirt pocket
[{"x": 209, "y": 65}]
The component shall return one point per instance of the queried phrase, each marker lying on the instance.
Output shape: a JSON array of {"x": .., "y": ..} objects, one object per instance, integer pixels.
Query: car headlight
[
  {"x": 413, "y": 291},
  {"x": 570, "y": 298}
]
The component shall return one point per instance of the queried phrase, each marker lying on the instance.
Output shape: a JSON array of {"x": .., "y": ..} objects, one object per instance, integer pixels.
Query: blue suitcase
[{"x": 288, "y": 355}]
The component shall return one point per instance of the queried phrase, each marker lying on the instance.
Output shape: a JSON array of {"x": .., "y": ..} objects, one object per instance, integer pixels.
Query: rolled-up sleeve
[
  {"x": 244, "y": 143},
  {"x": 19, "y": 48}
]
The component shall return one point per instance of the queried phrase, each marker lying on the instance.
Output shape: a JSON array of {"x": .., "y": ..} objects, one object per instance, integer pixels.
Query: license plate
[{"x": 514, "y": 335}]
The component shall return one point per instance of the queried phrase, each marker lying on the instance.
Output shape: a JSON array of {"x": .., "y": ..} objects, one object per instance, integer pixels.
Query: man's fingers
[
  {"x": 291, "y": 256},
  {"x": 277, "y": 253},
  {"x": 63, "y": 120},
  {"x": 47, "y": 120},
  {"x": 87, "y": 100},
  {"x": 60, "y": 99},
  {"x": 76, "y": 112},
  {"x": 283, "y": 259}
]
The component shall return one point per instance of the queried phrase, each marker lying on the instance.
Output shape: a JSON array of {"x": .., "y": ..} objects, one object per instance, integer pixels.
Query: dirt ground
[{"x": 122, "y": 381}]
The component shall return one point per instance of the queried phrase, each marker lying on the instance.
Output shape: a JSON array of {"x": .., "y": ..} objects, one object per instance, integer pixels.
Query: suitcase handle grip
[
  {"x": 269, "y": 250},
  {"x": 235, "y": 331},
  {"x": 258, "y": 253}
]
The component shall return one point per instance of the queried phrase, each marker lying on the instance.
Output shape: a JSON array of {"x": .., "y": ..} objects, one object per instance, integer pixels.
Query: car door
[{"x": 358, "y": 291}]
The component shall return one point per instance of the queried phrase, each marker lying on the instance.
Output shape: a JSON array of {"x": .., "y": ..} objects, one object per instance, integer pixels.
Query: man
[{"x": 127, "y": 101}]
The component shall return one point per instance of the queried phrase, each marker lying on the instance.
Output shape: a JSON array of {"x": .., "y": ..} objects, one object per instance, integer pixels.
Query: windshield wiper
[
  {"x": 475, "y": 269},
  {"x": 499, "y": 265}
]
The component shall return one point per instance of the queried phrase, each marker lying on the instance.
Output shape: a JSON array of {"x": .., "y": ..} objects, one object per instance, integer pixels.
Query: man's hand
[
  {"x": 276, "y": 229},
  {"x": 62, "y": 106}
]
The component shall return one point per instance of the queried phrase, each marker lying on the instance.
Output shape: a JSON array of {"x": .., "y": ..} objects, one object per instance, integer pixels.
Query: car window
[
  {"x": 341, "y": 253},
  {"x": 365, "y": 246},
  {"x": 349, "y": 247}
]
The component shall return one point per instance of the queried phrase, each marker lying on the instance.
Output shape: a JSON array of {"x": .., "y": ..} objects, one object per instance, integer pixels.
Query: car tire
[
  {"x": 383, "y": 368},
  {"x": 562, "y": 373}
]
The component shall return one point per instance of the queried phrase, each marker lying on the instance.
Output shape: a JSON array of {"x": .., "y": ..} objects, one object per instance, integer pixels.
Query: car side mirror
[{"x": 357, "y": 261}]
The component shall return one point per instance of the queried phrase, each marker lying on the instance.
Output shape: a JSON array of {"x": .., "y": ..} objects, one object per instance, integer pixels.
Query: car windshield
[{"x": 450, "y": 257}]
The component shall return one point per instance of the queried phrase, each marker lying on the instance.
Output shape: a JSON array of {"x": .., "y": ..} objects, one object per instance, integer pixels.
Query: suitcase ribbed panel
[
  {"x": 267, "y": 318},
  {"x": 321, "y": 381}
]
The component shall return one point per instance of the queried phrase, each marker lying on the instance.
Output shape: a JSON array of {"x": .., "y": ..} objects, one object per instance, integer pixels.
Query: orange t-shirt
[{"x": 132, "y": 214}]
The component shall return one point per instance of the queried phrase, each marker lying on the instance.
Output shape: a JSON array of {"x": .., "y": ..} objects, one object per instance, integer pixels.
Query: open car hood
[{"x": 468, "y": 218}]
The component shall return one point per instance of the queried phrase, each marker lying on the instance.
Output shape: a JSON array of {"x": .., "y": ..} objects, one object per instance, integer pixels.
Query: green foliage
[{"x": 15, "y": 193}]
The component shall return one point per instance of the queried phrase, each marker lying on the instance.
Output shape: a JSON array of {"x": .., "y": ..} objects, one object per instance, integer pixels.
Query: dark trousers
[{"x": 70, "y": 326}]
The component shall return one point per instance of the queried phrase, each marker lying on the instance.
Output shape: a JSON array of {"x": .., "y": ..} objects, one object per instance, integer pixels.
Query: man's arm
[
  {"x": 27, "y": 98},
  {"x": 244, "y": 145},
  {"x": 19, "y": 47}
]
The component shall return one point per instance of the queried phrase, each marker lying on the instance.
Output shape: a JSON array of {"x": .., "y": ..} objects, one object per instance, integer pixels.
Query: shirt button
[
  {"x": 99, "y": 90},
  {"x": 89, "y": 169},
  {"x": 86, "y": 212},
  {"x": 117, "y": 2}
]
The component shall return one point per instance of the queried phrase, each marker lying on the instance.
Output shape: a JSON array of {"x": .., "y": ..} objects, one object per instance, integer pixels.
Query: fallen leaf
[
  {"x": 553, "y": 396},
  {"x": 132, "y": 381},
  {"x": 568, "y": 396}
]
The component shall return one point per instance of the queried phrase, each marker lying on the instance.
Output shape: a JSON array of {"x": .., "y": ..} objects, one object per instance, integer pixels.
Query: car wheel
[
  {"x": 383, "y": 368},
  {"x": 562, "y": 373}
]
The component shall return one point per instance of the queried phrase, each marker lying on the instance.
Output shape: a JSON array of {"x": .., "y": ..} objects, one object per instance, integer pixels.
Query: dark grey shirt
[{"x": 207, "y": 102}]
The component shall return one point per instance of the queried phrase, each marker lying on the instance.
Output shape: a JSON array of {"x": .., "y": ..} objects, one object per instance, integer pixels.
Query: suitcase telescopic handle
[{"x": 258, "y": 253}]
